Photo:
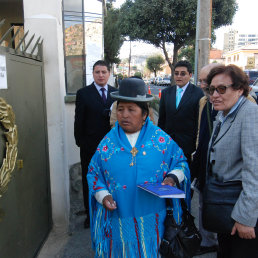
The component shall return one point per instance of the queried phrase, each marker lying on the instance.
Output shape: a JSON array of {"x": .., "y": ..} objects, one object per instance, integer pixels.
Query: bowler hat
[{"x": 132, "y": 89}]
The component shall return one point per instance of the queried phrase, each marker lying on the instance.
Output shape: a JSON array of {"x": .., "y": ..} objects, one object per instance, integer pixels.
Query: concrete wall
[
  {"x": 73, "y": 154},
  {"x": 44, "y": 17}
]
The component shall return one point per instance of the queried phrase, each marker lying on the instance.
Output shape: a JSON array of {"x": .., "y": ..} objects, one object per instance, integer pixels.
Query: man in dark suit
[
  {"x": 91, "y": 123},
  {"x": 178, "y": 110}
]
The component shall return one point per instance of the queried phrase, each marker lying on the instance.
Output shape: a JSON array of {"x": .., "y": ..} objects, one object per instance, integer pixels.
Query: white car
[
  {"x": 254, "y": 89},
  {"x": 165, "y": 82}
]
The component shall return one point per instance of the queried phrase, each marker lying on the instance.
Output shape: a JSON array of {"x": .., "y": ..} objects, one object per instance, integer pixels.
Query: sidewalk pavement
[{"x": 77, "y": 243}]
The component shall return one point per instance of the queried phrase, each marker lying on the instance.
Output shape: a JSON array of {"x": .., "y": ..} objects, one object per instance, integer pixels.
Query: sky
[{"x": 245, "y": 21}]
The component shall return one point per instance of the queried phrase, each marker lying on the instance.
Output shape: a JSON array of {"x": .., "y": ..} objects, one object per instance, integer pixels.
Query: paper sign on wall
[{"x": 3, "y": 73}]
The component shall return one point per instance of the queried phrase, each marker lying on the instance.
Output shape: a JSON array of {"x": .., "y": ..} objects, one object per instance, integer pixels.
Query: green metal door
[{"x": 25, "y": 207}]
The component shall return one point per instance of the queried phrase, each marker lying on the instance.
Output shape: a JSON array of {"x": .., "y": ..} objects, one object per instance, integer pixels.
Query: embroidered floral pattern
[
  {"x": 105, "y": 148},
  {"x": 160, "y": 141},
  {"x": 112, "y": 184}
]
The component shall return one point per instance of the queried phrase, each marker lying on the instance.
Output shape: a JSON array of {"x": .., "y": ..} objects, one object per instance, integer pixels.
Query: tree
[
  {"x": 138, "y": 74},
  {"x": 188, "y": 53},
  {"x": 154, "y": 63},
  {"x": 113, "y": 39},
  {"x": 169, "y": 21}
]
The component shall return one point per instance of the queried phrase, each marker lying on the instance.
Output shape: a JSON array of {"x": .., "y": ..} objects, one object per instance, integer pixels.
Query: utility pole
[
  {"x": 203, "y": 35},
  {"x": 129, "y": 59}
]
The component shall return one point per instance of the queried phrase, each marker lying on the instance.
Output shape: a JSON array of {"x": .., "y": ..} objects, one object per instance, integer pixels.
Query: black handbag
[
  {"x": 179, "y": 241},
  {"x": 219, "y": 199}
]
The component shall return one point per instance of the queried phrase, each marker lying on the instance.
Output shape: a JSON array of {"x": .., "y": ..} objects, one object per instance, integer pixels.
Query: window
[
  {"x": 74, "y": 45},
  {"x": 82, "y": 35}
]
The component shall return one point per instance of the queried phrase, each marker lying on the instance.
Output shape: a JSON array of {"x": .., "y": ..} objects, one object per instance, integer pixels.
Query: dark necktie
[{"x": 104, "y": 98}]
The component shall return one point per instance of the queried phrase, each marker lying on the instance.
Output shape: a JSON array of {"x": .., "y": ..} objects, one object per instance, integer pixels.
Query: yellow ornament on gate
[{"x": 7, "y": 120}]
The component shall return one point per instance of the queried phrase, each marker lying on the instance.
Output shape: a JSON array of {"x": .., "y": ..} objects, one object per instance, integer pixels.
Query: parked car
[
  {"x": 252, "y": 74},
  {"x": 157, "y": 80},
  {"x": 146, "y": 81},
  {"x": 165, "y": 82},
  {"x": 151, "y": 81},
  {"x": 192, "y": 79},
  {"x": 254, "y": 89}
]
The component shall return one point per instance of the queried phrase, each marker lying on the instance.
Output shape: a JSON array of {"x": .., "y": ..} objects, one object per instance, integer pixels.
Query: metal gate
[{"x": 25, "y": 208}]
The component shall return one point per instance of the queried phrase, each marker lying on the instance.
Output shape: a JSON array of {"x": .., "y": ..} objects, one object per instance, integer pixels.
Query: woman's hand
[
  {"x": 168, "y": 181},
  {"x": 245, "y": 232},
  {"x": 109, "y": 203}
]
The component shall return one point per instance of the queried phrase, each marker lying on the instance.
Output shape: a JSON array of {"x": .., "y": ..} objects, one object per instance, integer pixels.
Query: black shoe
[
  {"x": 206, "y": 249},
  {"x": 87, "y": 222}
]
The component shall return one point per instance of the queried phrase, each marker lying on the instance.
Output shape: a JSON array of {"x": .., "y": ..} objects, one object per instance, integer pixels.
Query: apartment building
[{"x": 234, "y": 40}]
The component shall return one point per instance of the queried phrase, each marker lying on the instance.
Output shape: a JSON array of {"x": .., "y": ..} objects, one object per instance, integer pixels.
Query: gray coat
[{"x": 235, "y": 157}]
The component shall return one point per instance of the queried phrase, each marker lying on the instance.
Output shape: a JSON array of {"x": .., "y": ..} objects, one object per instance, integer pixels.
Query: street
[{"x": 155, "y": 89}]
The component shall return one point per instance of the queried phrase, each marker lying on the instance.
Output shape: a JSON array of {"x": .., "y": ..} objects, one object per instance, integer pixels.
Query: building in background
[
  {"x": 233, "y": 40},
  {"x": 216, "y": 56},
  {"x": 245, "y": 57},
  {"x": 247, "y": 39},
  {"x": 230, "y": 39}
]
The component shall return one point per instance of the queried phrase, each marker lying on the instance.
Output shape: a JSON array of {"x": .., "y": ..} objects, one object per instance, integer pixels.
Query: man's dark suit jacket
[
  {"x": 91, "y": 124},
  {"x": 180, "y": 123},
  {"x": 91, "y": 117}
]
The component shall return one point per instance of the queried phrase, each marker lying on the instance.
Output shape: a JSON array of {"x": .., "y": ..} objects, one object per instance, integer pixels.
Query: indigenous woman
[{"x": 127, "y": 221}]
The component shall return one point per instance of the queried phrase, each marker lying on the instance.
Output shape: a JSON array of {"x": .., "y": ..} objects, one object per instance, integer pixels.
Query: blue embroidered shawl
[{"x": 135, "y": 228}]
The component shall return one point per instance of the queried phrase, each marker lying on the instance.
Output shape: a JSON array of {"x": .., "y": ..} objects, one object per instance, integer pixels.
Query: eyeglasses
[
  {"x": 200, "y": 82},
  {"x": 181, "y": 74},
  {"x": 220, "y": 89}
]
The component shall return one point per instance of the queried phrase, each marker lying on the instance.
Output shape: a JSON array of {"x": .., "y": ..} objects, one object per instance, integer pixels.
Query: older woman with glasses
[
  {"x": 125, "y": 220},
  {"x": 232, "y": 165}
]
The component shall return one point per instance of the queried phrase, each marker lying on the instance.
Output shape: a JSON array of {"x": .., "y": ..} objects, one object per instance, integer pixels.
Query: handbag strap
[{"x": 169, "y": 202}]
